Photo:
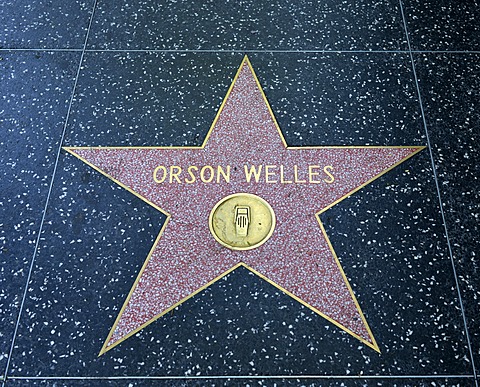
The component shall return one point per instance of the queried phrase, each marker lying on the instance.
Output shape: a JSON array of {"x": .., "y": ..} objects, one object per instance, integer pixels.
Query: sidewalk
[{"x": 141, "y": 74}]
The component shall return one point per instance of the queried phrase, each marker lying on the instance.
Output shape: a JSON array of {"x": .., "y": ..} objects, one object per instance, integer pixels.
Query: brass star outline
[{"x": 91, "y": 157}]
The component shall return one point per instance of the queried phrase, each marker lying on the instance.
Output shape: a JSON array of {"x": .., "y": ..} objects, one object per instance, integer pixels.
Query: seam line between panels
[
  {"x": 312, "y": 51},
  {"x": 42, "y": 221},
  {"x": 239, "y": 377},
  {"x": 444, "y": 220}
]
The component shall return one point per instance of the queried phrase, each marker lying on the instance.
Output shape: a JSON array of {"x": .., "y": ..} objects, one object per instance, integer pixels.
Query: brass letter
[
  {"x": 268, "y": 173},
  {"x": 155, "y": 171},
  {"x": 192, "y": 176},
  {"x": 332, "y": 179},
  {"x": 295, "y": 174},
  {"x": 311, "y": 174},
  {"x": 226, "y": 176},
  {"x": 282, "y": 178},
  {"x": 178, "y": 171},
  {"x": 248, "y": 174},
  {"x": 202, "y": 174}
]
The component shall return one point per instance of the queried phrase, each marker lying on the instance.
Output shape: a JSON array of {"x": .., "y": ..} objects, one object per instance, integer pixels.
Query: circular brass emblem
[{"x": 242, "y": 221}]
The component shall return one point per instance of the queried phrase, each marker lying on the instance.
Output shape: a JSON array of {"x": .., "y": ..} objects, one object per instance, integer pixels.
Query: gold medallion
[{"x": 242, "y": 221}]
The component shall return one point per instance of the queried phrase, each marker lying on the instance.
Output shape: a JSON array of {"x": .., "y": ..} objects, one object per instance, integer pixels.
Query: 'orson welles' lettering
[{"x": 269, "y": 174}]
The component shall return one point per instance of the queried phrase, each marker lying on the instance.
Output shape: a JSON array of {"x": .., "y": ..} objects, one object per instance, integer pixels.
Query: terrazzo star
[{"x": 273, "y": 230}]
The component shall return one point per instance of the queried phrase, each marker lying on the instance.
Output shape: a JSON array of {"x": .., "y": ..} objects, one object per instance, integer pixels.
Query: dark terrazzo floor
[{"x": 155, "y": 73}]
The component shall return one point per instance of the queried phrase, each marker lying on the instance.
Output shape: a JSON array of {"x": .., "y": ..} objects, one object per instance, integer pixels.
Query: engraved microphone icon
[{"x": 242, "y": 220}]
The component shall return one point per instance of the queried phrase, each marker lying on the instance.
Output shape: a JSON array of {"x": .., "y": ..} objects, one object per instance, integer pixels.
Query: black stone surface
[
  {"x": 443, "y": 25},
  {"x": 389, "y": 236},
  {"x": 391, "y": 243},
  {"x": 36, "y": 88},
  {"x": 318, "y": 99},
  {"x": 243, "y": 25},
  {"x": 450, "y": 86},
  {"x": 145, "y": 99},
  {"x": 44, "y": 24},
  {"x": 97, "y": 236},
  {"x": 251, "y": 382},
  {"x": 342, "y": 98}
]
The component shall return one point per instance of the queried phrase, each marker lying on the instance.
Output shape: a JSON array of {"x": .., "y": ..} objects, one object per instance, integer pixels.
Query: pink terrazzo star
[{"x": 298, "y": 258}]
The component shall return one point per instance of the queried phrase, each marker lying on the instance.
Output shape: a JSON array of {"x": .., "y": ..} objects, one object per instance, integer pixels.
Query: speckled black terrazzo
[
  {"x": 243, "y": 25},
  {"x": 44, "y": 24},
  {"x": 241, "y": 331},
  {"x": 451, "y": 96},
  {"x": 393, "y": 244},
  {"x": 36, "y": 88},
  {"x": 149, "y": 98},
  {"x": 356, "y": 99},
  {"x": 250, "y": 382},
  {"x": 443, "y": 24}
]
